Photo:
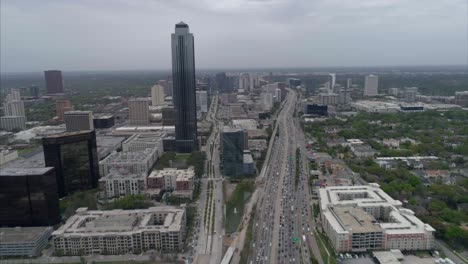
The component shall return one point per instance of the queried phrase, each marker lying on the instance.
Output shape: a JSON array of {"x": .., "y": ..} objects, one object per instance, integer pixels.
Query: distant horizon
[{"x": 235, "y": 69}]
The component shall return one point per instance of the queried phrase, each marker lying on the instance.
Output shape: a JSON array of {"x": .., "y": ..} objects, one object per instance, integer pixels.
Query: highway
[{"x": 283, "y": 222}]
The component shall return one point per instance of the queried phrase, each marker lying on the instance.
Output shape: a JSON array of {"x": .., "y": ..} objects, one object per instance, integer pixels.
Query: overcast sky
[{"x": 135, "y": 34}]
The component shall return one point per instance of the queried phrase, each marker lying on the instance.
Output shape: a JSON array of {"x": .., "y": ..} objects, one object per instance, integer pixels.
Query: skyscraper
[
  {"x": 139, "y": 112},
  {"x": 232, "y": 146},
  {"x": 183, "y": 75},
  {"x": 54, "y": 81},
  {"x": 371, "y": 85},
  {"x": 157, "y": 95}
]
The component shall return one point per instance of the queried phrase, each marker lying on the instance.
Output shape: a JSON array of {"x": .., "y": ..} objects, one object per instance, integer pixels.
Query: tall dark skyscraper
[
  {"x": 183, "y": 75},
  {"x": 54, "y": 81}
]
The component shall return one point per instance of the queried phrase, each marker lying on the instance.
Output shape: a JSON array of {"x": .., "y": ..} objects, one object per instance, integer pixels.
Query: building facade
[
  {"x": 371, "y": 85},
  {"x": 232, "y": 147},
  {"x": 122, "y": 231},
  {"x": 12, "y": 122},
  {"x": 75, "y": 159},
  {"x": 361, "y": 218},
  {"x": 138, "y": 112},
  {"x": 133, "y": 162},
  {"x": 78, "y": 120},
  {"x": 183, "y": 75},
  {"x": 29, "y": 197},
  {"x": 119, "y": 183},
  {"x": 54, "y": 81},
  {"x": 24, "y": 241},
  {"x": 62, "y": 106},
  {"x": 157, "y": 95},
  {"x": 202, "y": 101}
]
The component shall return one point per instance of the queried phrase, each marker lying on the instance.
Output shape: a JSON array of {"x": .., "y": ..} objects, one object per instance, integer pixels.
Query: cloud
[{"x": 124, "y": 34}]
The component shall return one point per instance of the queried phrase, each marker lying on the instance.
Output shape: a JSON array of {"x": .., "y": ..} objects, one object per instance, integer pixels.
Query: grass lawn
[
  {"x": 324, "y": 245},
  {"x": 238, "y": 199}
]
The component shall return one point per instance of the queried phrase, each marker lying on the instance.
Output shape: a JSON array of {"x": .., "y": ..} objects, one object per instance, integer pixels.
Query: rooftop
[
  {"x": 140, "y": 156},
  {"x": 22, "y": 234},
  {"x": 180, "y": 174},
  {"x": 122, "y": 222},
  {"x": 24, "y": 171}
]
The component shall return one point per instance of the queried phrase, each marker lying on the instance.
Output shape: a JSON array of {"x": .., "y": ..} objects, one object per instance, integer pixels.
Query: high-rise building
[
  {"x": 349, "y": 83},
  {"x": 34, "y": 91},
  {"x": 157, "y": 95},
  {"x": 332, "y": 81},
  {"x": 202, "y": 101},
  {"x": 12, "y": 122},
  {"x": 79, "y": 120},
  {"x": 244, "y": 82},
  {"x": 232, "y": 147},
  {"x": 371, "y": 85},
  {"x": 266, "y": 100},
  {"x": 54, "y": 81},
  {"x": 29, "y": 197},
  {"x": 13, "y": 105},
  {"x": 62, "y": 106},
  {"x": 74, "y": 157},
  {"x": 168, "y": 116},
  {"x": 139, "y": 112},
  {"x": 222, "y": 83},
  {"x": 183, "y": 75}
]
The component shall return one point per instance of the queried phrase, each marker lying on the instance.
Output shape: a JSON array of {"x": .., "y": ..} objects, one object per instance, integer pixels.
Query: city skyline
[{"x": 323, "y": 34}]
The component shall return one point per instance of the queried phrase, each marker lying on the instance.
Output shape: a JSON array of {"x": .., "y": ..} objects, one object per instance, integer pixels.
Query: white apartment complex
[
  {"x": 361, "y": 218},
  {"x": 121, "y": 231},
  {"x": 133, "y": 162},
  {"x": 138, "y": 112},
  {"x": 120, "y": 183},
  {"x": 140, "y": 142}
]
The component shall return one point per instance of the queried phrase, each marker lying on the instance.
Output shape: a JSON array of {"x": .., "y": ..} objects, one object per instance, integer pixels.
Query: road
[{"x": 283, "y": 222}]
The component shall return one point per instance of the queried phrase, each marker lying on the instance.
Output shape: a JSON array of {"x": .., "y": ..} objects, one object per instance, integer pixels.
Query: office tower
[
  {"x": 29, "y": 197},
  {"x": 349, "y": 83},
  {"x": 202, "y": 101},
  {"x": 183, "y": 76},
  {"x": 62, "y": 106},
  {"x": 157, "y": 95},
  {"x": 461, "y": 98},
  {"x": 79, "y": 120},
  {"x": 33, "y": 91},
  {"x": 371, "y": 85},
  {"x": 266, "y": 101},
  {"x": 244, "y": 81},
  {"x": 254, "y": 82},
  {"x": 232, "y": 146},
  {"x": 332, "y": 81},
  {"x": 13, "y": 105},
  {"x": 278, "y": 96},
  {"x": 54, "y": 81},
  {"x": 169, "y": 91},
  {"x": 74, "y": 157},
  {"x": 12, "y": 122},
  {"x": 222, "y": 83},
  {"x": 139, "y": 112}
]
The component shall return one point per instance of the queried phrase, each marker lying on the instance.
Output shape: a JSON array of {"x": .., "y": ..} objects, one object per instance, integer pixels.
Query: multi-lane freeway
[{"x": 283, "y": 229}]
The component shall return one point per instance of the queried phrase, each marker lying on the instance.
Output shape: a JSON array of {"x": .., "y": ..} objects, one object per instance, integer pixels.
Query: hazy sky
[{"x": 135, "y": 34}]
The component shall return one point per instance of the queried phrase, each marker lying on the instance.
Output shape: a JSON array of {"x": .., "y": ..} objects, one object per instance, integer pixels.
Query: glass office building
[
  {"x": 28, "y": 197},
  {"x": 74, "y": 156}
]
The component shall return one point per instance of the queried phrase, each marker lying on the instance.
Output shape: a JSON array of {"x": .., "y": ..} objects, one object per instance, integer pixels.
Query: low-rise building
[
  {"x": 363, "y": 150},
  {"x": 121, "y": 231},
  {"x": 7, "y": 155},
  {"x": 133, "y": 162},
  {"x": 23, "y": 241},
  {"x": 362, "y": 218},
  {"x": 120, "y": 183},
  {"x": 177, "y": 180},
  {"x": 249, "y": 165}
]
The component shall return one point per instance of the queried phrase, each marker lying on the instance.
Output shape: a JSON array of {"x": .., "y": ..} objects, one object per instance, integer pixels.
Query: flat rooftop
[
  {"x": 22, "y": 234},
  {"x": 122, "y": 222},
  {"x": 24, "y": 171},
  {"x": 355, "y": 219}
]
